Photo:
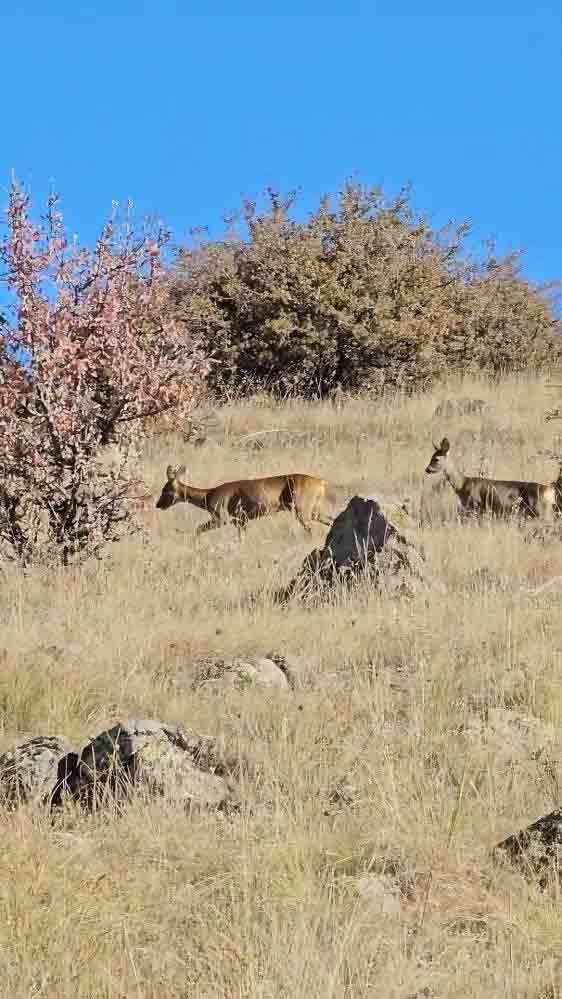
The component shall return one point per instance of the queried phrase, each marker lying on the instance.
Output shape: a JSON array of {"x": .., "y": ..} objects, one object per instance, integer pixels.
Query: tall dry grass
[{"x": 395, "y": 708}]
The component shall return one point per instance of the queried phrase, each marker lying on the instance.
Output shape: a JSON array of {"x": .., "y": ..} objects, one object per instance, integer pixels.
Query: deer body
[
  {"x": 247, "y": 499},
  {"x": 498, "y": 497}
]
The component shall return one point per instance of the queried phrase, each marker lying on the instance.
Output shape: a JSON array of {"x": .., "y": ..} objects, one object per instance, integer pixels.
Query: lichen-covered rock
[
  {"x": 221, "y": 674},
  {"x": 30, "y": 771},
  {"x": 372, "y": 541},
  {"x": 460, "y": 407},
  {"x": 165, "y": 760},
  {"x": 518, "y": 744},
  {"x": 537, "y": 845}
]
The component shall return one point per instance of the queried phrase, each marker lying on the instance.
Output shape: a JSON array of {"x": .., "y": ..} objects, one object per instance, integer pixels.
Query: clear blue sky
[{"x": 185, "y": 112}]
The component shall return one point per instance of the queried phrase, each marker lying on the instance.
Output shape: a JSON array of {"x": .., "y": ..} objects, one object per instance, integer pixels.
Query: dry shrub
[{"x": 364, "y": 294}]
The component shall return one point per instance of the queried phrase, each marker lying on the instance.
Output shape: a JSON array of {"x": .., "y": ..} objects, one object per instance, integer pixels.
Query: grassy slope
[{"x": 270, "y": 903}]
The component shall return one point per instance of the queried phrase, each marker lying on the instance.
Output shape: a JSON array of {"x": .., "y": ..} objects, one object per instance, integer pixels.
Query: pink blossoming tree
[{"x": 91, "y": 355}]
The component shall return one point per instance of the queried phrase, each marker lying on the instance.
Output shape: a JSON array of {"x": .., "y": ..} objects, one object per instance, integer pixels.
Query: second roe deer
[
  {"x": 247, "y": 499},
  {"x": 498, "y": 497}
]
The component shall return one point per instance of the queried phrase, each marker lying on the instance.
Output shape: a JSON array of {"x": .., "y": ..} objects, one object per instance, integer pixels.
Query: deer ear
[
  {"x": 180, "y": 473},
  {"x": 170, "y": 473},
  {"x": 445, "y": 445}
]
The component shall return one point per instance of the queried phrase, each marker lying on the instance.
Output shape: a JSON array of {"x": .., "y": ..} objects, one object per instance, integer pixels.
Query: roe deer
[
  {"x": 558, "y": 492},
  {"x": 246, "y": 499},
  {"x": 495, "y": 496}
]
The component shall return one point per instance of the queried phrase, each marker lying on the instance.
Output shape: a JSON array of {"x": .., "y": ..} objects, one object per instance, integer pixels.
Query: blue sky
[{"x": 186, "y": 112}]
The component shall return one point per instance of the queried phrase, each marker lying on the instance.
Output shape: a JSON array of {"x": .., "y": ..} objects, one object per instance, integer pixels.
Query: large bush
[
  {"x": 91, "y": 356},
  {"x": 361, "y": 294}
]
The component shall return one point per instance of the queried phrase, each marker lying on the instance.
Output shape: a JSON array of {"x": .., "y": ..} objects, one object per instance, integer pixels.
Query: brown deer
[
  {"x": 558, "y": 491},
  {"x": 247, "y": 499},
  {"x": 495, "y": 496}
]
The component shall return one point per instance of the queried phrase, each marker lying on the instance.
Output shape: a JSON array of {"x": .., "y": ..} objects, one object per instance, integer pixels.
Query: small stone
[
  {"x": 380, "y": 893},
  {"x": 460, "y": 407},
  {"x": 259, "y": 671},
  {"x": 293, "y": 667}
]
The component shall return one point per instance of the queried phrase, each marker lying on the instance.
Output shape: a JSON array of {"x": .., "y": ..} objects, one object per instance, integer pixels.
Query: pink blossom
[{"x": 104, "y": 359}]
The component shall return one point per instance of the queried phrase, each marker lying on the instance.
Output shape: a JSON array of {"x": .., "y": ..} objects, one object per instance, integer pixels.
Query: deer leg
[
  {"x": 546, "y": 514},
  {"x": 303, "y": 518},
  {"x": 241, "y": 524},
  {"x": 465, "y": 515},
  {"x": 321, "y": 519}
]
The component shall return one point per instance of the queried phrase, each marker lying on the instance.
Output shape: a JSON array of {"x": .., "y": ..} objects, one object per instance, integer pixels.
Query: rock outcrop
[
  {"x": 371, "y": 541},
  {"x": 136, "y": 755},
  {"x": 164, "y": 760},
  {"x": 536, "y": 846}
]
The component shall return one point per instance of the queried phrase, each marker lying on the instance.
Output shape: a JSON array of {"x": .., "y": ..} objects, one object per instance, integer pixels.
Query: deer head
[
  {"x": 439, "y": 457},
  {"x": 171, "y": 490}
]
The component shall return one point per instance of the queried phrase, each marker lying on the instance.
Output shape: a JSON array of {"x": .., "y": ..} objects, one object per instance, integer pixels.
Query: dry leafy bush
[
  {"x": 361, "y": 295},
  {"x": 91, "y": 356}
]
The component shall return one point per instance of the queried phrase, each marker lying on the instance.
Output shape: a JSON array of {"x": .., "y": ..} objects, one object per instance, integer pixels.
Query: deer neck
[
  {"x": 455, "y": 478},
  {"x": 193, "y": 495}
]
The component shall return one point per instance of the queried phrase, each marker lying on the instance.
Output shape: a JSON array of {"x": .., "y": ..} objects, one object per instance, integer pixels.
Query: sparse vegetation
[{"x": 371, "y": 794}]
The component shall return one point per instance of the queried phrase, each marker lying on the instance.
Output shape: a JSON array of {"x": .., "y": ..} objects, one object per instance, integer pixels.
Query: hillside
[{"x": 358, "y": 864}]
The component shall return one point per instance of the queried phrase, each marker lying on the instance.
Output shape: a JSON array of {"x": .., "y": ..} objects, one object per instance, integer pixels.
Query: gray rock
[
  {"x": 293, "y": 667},
  {"x": 164, "y": 760},
  {"x": 373, "y": 541},
  {"x": 344, "y": 795},
  {"x": 380, "y": 893},
  {"x": 460, "y": 407},
  {"x": 259, "y": 671},
  {"x": 366, "y": 526},
  {"x": 30, "y": 771},
  {"x": 513, "y": 740},
  {"x": 537, "y": 845}
]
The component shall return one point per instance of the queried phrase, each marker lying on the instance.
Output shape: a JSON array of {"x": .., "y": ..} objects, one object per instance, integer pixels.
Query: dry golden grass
[{"x": 395, "y": 704}]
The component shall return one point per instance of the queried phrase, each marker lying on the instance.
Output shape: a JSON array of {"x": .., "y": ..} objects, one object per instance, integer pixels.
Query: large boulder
[
  {"x": 373, "y": 541},
  {"x": 161, "y": 759},
  {"x": 164, "y": 760},
  {"x": 30, "y": 771}
]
